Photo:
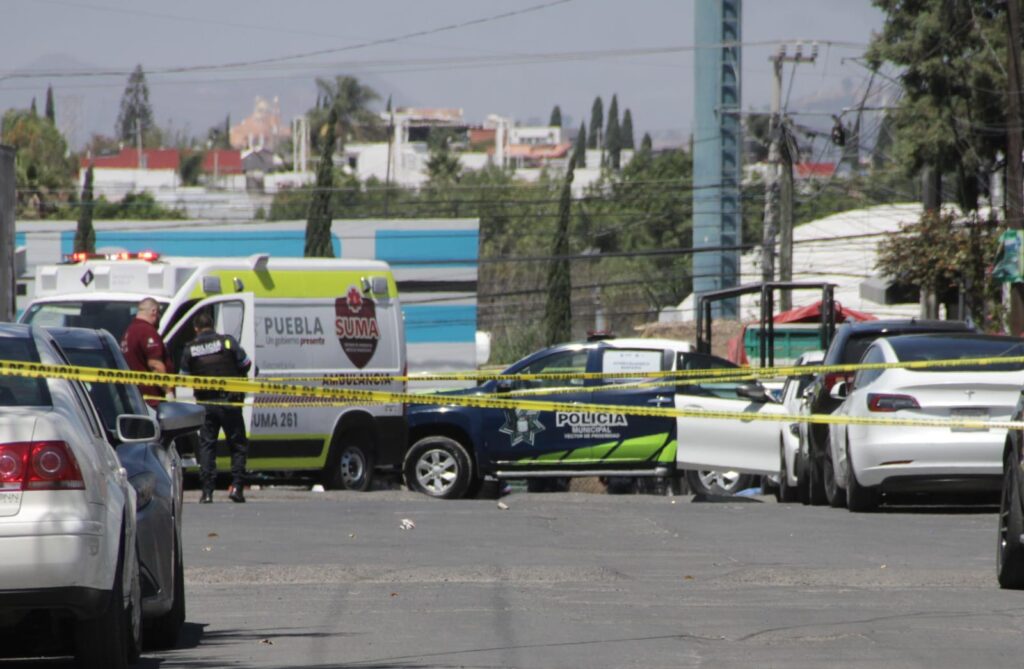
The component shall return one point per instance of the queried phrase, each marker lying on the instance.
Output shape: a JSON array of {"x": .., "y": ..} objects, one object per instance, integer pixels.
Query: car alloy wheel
[{"x": 438, "y": 466}]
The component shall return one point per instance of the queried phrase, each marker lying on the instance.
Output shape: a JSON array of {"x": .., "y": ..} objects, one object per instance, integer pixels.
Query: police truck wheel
[
  {"x": 352, "y": 466},
  {"x": 438, "y": 466}
]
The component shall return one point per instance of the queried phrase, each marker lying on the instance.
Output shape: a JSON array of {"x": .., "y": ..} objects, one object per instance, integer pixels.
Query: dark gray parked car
[{"x": 154, "y": 470}]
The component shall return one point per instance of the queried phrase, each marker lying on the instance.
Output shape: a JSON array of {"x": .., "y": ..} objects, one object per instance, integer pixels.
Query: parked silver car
[
  {"x": 154, "y": 470},
  {"x": 67, "y": 516}
]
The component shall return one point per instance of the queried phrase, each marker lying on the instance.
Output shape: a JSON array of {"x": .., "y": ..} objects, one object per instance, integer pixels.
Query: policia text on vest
[{"x": 213, "y": 354}]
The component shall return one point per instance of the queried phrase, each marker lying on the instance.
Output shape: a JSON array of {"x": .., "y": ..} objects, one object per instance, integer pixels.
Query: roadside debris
[
  {"x": 407, "y": 524},
  {"x": 503, "y": 506}
]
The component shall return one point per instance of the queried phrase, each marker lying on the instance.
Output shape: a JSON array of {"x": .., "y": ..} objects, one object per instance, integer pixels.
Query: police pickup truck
[{"x": 452, "y": 448}]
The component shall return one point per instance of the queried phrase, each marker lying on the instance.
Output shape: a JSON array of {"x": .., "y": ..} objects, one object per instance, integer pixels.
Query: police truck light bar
[{"x": 81, "y": 256}]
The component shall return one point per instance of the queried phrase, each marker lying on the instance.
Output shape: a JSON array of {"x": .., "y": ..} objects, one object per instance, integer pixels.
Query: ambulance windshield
[{"x": 111, "y": 315}]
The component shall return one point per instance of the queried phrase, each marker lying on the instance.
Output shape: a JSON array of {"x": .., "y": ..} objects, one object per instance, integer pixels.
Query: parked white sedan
[
  {"x": 864, "y": 461},
  {"x": 67, "y": 516}
]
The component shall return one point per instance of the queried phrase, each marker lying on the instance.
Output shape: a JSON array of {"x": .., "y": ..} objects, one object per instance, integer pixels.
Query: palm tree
[{"x": 349, "y": 100}]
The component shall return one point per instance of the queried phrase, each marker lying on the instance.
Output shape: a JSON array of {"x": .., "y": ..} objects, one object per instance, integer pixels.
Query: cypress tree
[
  {"x": 626, "y": 131},
  {"x": 51, "y": 113},
  {"x": 85, "y": 234},
  {"x": 32, "y": 107},
  {"x": 646, "y": 144},
  {"x": 318, "y": 220},
  {"x": 596, "y": 123},
  {"x": 556, "y": 117},
  {"x": 579, "y": 151},
  {"x": 558, "y": 310},
  {"x": 136, "y": 115},
  {"x": 612, "y": 140}
]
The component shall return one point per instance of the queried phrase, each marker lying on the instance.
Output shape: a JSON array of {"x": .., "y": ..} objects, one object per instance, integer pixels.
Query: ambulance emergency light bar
[{"x": 81, "y": 256}]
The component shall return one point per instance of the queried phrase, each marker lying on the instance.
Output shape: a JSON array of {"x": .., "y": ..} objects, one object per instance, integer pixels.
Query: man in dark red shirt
[{"x": 144, "y": 349}]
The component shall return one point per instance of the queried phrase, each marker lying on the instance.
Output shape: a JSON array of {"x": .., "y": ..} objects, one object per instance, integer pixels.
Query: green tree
[
  {"x": 442, "y": 165},
  {"x": 219, "y": 136},
  {"x": 32, "y": 107},
  {"x": 626, "y": 131},
  {"x": 579, "y": 150},
  {"x": 191, "y": 167},
  {"x": 350, "y": 101},
  {"x": 612, "y": 139},
  {"x": 558, "y": 309},
  {"x": 596, "y": 123},
  {"x": 556, "y": 117},
  {"x": 42, "y": 169},
  {"x": 952, "y": 114},
  {"x": 318, "y": 220},
  {"x": 85, "y": 234},
  {"x": 944, "y": 253},
  {"x": 51, "y": 112},
  {"x": 136, "y": 114},
  {"x": 646, "y": 144}
]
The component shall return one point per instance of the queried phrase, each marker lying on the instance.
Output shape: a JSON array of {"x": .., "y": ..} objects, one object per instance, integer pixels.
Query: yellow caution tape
[
  {"x": 349, "y": 395},
  {"x": 687, "y": 374}
]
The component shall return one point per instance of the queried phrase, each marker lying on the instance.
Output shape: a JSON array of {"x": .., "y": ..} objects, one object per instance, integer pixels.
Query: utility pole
[
  {"x": 387, "y": 174},
  {"x": 1014, "y": 197},
  {"x": 778, "y": 215},
  {"x": 8, "y": 274}
]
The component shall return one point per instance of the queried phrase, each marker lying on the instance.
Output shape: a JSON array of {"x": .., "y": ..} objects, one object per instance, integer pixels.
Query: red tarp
[{"x": 808, "y": 314}]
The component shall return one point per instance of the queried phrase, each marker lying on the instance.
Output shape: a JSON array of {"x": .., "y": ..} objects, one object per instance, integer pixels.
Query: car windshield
[
  {"x": 17, "y": 391},
  {"x": 111, "y": 399},
  {"x": 912, "y": 349},
  {"x": 110, "y": 315}
]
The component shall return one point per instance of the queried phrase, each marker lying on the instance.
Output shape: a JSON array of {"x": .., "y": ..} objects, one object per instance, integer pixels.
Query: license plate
[
  {"x": 969, "y": 414},
  {"x": 10, "y": 503}
]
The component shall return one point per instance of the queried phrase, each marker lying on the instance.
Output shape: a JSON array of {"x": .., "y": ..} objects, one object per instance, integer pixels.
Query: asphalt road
[{"x": 315, "y": 580}]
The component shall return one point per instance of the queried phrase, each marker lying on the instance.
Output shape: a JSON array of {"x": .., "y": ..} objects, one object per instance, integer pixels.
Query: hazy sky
[{"x": 520, "y": 65}]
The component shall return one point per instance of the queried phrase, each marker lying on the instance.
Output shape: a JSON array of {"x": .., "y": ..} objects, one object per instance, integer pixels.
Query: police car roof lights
[{"x": 82, "y": 256}]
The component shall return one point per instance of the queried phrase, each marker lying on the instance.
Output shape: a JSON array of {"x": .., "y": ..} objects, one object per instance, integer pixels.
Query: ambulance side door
[{"x": 232, "y": 315}]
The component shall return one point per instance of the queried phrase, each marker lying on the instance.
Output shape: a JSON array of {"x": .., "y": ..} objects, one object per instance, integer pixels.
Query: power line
[{"x": 323, "y": 52}]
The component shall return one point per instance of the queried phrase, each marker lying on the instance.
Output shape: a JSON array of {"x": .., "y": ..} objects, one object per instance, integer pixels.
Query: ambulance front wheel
[
  {"x": 350, "y": 466},
  {"x": 438, "y": 466}
]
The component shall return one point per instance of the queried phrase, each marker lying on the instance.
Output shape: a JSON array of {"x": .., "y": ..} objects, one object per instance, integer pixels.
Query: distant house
[
  {"x": 222, "y": 168},
  {"x": 116, "y": 175}
]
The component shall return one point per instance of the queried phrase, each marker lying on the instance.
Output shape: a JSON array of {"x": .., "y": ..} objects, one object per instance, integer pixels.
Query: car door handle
[{"x": 660, "y": 400}]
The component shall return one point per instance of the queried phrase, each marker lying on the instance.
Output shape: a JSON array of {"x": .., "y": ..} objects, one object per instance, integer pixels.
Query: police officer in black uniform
[{"x": 212, "y": 354}]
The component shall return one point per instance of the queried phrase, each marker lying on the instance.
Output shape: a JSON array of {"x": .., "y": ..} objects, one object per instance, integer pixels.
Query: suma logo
[{"x": 356, "y": 326}]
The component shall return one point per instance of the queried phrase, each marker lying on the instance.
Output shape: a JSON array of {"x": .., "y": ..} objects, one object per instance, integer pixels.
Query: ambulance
[{"x": 302, "y": 320}]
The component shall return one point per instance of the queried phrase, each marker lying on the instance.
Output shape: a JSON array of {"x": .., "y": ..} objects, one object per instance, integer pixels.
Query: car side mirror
[
  {"x": 178, "y": 418},
  {"x": 840, "y": 391},
  {"x": 504, "y": 386},
  {"x": 133, "y": 429},
  {"x": 753, "y": 391}
]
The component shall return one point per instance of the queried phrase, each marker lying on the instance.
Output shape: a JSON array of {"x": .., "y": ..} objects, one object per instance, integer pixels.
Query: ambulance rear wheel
[
  {"x": 351, "y": 463},
  {"x": 438, "y": 466}
]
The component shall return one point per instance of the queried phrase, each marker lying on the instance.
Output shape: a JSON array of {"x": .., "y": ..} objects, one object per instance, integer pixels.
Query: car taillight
[
  {"x": 887, "y": 403},
  {"x": 832, "y": 378},
  {"x": 39, "y": 465}
]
